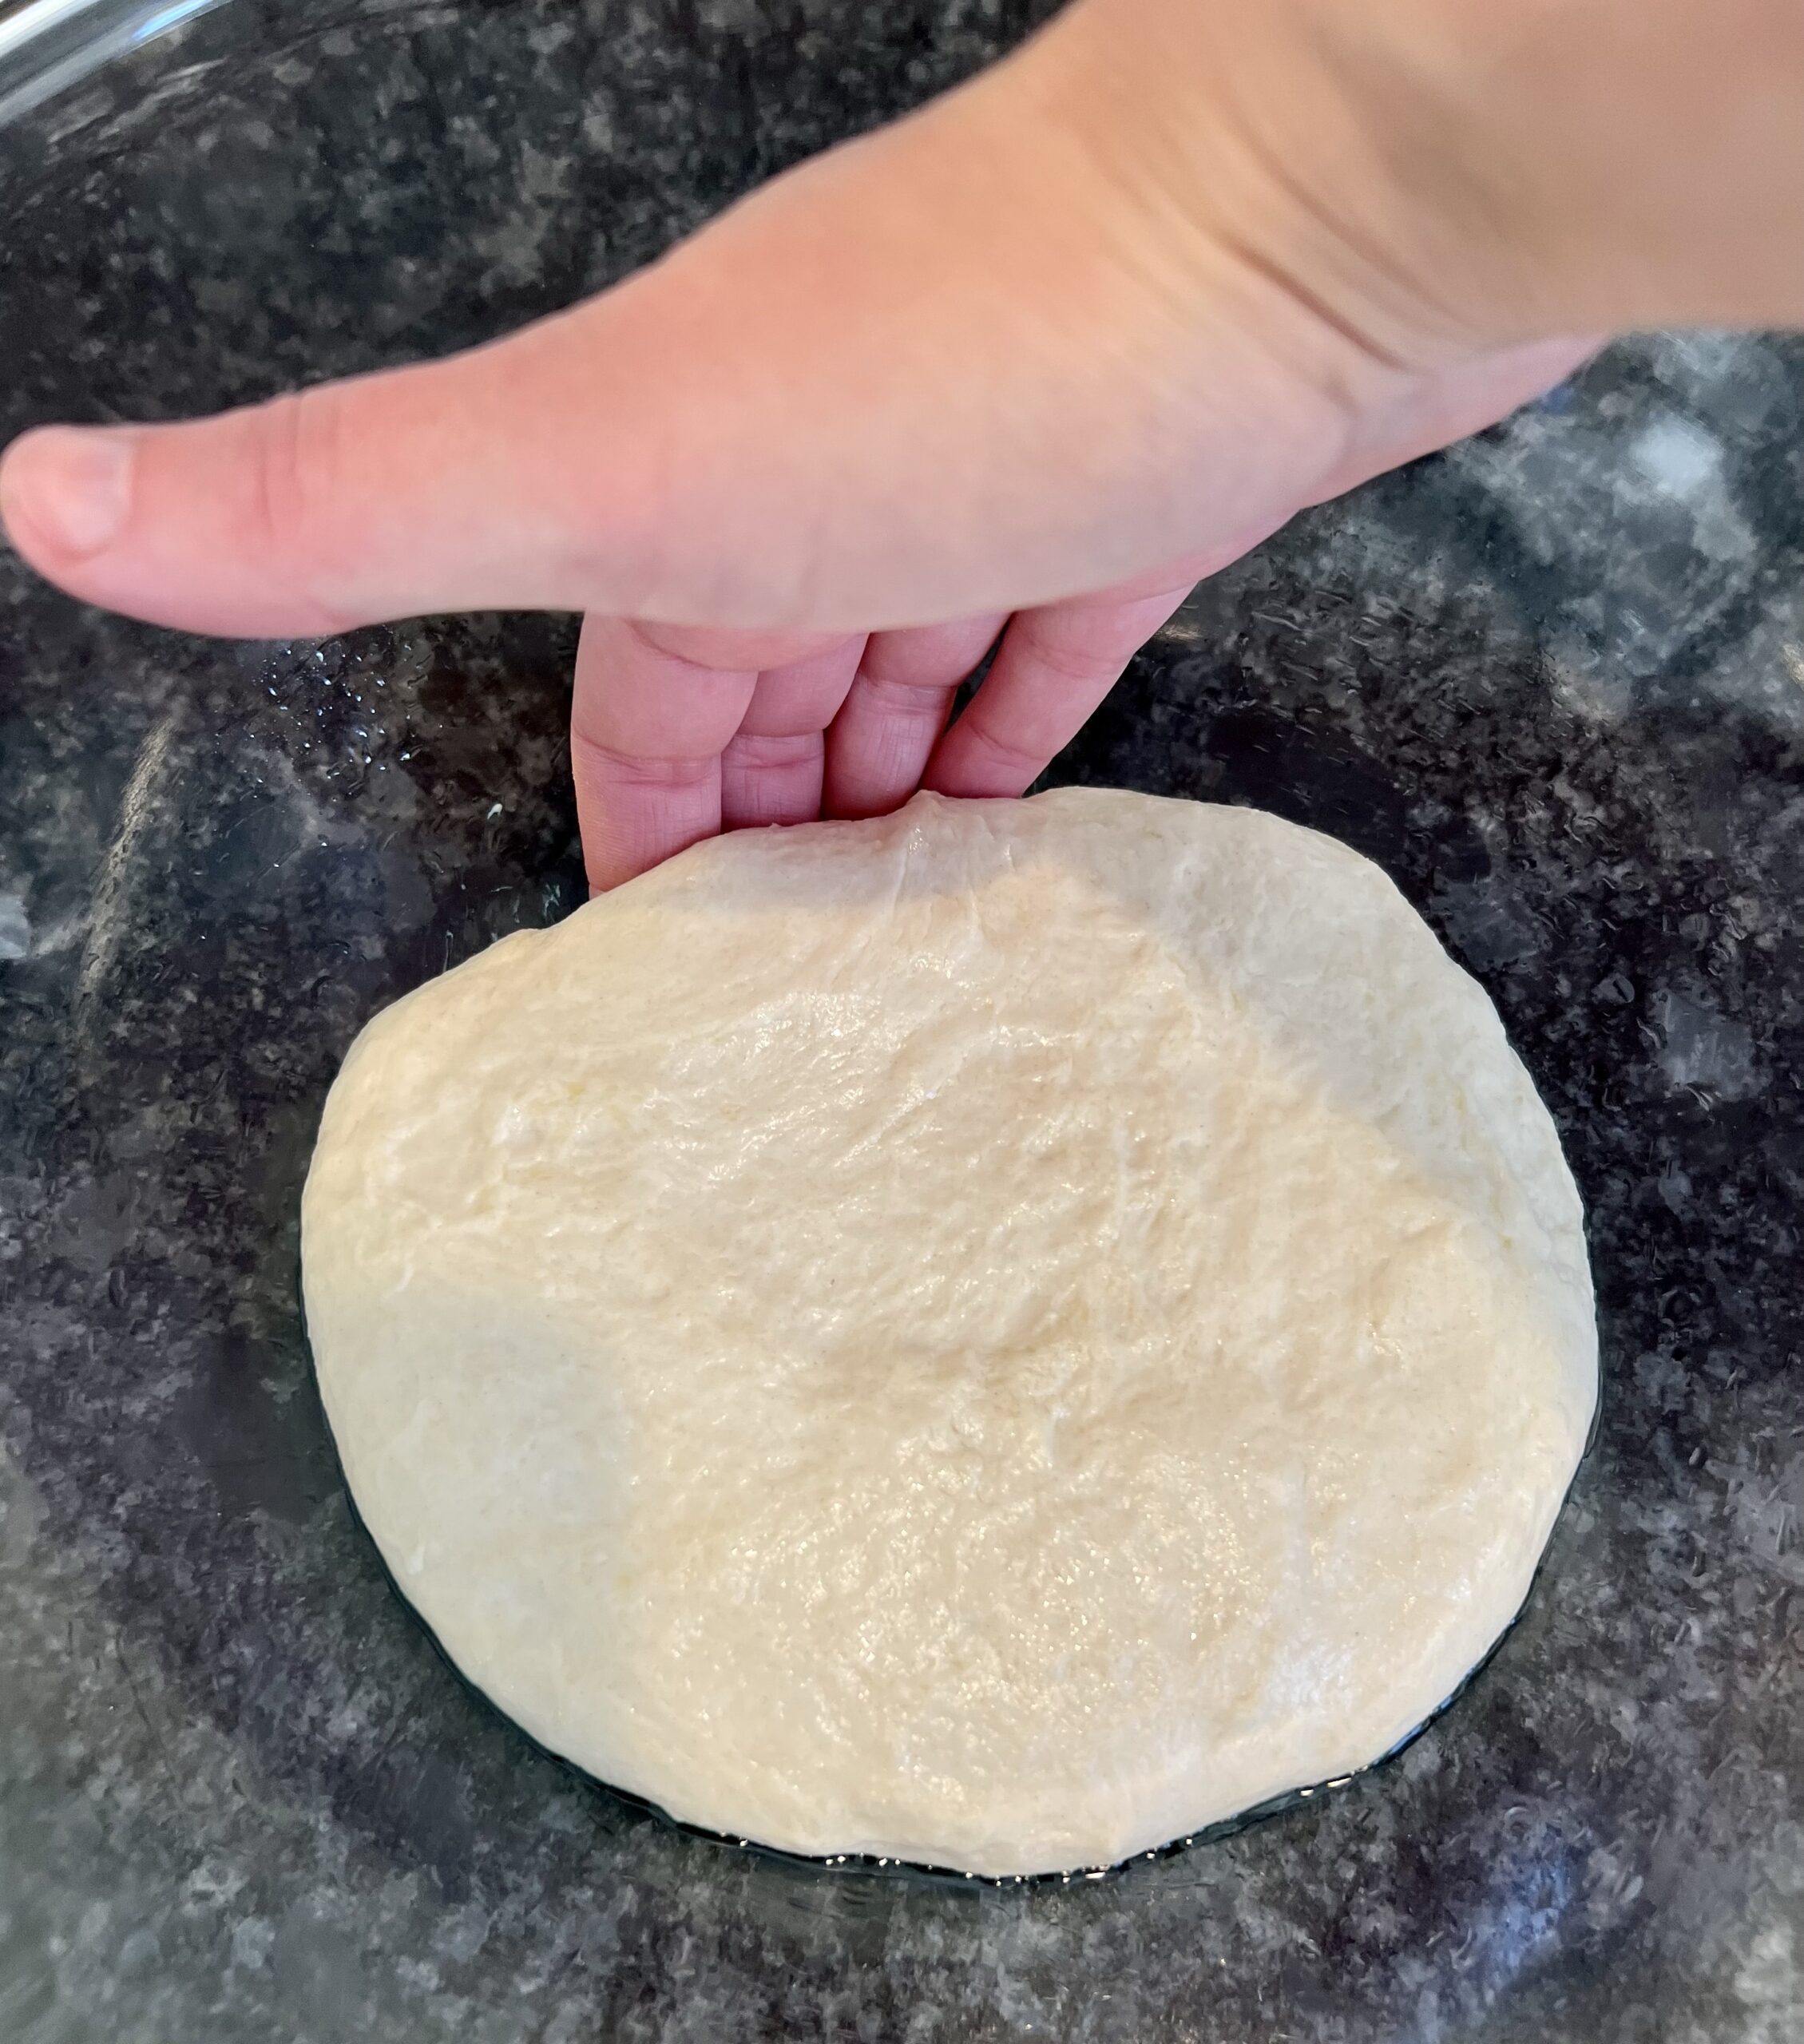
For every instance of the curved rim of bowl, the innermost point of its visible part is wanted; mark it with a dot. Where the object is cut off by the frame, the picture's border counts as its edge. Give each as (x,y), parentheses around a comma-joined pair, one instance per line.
(49,45)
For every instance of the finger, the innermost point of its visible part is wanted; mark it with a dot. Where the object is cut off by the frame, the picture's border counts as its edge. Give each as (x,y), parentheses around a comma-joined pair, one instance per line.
(770,771)
(735,435)
(882,739)
(1052,669)
(647,728)
(316,511)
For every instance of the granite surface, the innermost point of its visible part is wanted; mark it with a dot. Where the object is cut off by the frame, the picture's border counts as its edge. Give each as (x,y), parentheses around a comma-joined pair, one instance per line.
(1554,682)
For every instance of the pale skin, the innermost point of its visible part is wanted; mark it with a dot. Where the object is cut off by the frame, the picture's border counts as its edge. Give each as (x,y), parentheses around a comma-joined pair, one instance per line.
(1023,367)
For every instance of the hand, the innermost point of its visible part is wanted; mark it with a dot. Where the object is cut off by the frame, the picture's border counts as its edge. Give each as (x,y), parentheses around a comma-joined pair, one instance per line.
(1030,361)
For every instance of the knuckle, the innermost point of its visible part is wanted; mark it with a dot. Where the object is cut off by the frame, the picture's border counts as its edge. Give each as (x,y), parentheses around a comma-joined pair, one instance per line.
(1013,751)
(296,476)
(914,700)
(765,749)
(657,771)
(1086,651)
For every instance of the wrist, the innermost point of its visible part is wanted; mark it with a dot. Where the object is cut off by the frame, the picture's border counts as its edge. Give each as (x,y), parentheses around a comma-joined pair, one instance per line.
(1303,135)
(1449,174)
(1578,165)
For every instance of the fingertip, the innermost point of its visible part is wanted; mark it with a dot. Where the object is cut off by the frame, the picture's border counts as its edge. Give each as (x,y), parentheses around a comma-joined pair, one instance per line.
(635,814)
(66,493)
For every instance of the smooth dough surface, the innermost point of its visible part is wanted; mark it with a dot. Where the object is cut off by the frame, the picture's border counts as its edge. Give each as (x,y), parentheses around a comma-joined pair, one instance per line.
(998,1336)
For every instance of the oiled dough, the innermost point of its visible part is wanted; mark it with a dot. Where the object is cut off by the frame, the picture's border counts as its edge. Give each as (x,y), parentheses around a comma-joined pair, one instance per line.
(998,1336)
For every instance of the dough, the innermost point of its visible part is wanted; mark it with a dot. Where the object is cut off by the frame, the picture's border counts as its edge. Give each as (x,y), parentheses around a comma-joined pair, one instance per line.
(998,1336)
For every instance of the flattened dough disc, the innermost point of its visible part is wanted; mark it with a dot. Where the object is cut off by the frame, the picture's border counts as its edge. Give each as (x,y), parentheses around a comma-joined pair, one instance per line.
(998,1336)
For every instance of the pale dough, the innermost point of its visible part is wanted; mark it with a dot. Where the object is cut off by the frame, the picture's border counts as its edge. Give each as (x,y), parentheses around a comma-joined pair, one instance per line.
(996,1336)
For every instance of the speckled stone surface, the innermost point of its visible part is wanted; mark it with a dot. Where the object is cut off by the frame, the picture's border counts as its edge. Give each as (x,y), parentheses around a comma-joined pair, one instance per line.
(1554,682)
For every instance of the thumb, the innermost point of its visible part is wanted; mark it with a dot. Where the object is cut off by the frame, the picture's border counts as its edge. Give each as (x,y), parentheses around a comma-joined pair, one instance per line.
(459,485)
(673,449)
(949,369)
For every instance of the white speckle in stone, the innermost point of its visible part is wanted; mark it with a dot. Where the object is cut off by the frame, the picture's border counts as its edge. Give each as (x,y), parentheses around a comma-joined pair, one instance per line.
(212,1882)
(567,2025)
(251,1940)
(1766,1985)
(15,928)
(21,1513)
(462,1933)
(1702,1048)
(1678,459)
(1682,464)
(110,909)
(139,1953)
(1599,692)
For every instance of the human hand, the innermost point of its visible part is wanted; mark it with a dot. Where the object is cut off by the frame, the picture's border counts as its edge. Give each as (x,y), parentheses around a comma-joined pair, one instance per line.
(1032,361)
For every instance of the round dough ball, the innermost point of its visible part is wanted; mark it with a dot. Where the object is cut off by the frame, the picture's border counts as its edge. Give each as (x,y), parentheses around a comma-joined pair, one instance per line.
(998,1336)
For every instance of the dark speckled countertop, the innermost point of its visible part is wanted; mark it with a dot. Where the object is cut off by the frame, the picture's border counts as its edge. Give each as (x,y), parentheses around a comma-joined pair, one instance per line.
(1554,682)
